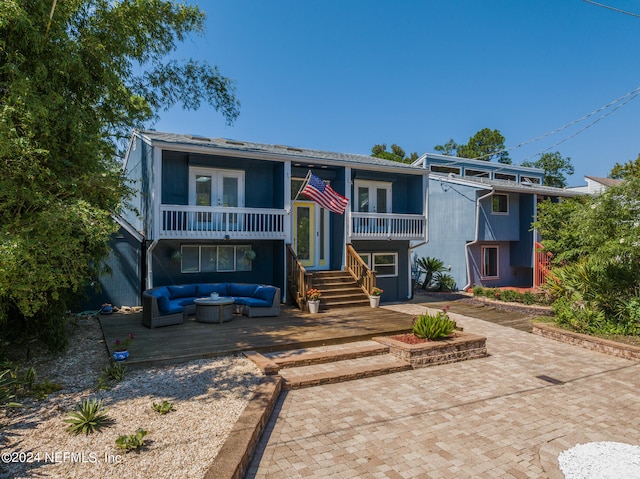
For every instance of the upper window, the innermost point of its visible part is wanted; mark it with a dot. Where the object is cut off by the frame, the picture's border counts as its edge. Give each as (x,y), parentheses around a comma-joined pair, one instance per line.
(530,179)
(504,176)
(476,173)
(500,204)
(444,169)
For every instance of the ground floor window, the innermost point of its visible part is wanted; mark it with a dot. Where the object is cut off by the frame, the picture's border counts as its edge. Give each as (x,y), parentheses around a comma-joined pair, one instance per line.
(384,264)
(220,259)
(489,261)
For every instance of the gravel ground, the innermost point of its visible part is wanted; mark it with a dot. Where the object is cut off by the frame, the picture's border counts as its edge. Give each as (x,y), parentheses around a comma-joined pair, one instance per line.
(208,396)
(601,460)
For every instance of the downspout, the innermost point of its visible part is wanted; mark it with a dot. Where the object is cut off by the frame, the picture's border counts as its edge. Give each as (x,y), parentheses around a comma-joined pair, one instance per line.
(475,241)
(150,264)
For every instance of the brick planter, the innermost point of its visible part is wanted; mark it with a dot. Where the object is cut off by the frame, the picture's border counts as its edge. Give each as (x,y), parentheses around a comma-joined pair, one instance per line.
(464,346)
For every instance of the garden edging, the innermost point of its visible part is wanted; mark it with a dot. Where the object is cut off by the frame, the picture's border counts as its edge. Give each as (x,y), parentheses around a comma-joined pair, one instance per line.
(601,345)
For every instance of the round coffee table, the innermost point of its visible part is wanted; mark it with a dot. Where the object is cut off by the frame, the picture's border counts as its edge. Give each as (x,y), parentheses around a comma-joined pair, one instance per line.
(214,310)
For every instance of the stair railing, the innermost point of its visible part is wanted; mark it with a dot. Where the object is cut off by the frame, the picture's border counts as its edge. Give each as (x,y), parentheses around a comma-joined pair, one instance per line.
(298,279)
(365,277)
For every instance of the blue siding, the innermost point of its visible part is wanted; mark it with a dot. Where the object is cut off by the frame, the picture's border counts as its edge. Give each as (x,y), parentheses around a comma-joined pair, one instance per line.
(267,268)
(500,227)
(395,288)
(137,174)
(522,251)
(452,211)
(404,189)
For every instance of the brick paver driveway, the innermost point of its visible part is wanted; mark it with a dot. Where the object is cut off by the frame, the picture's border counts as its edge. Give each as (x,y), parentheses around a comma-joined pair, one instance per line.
(491,417)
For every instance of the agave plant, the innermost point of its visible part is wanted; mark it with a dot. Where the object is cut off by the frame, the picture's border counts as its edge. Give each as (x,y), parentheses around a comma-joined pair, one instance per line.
(88,417)
(429,326)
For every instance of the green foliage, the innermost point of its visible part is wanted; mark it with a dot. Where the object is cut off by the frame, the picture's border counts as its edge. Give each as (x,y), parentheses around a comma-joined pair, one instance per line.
(486,145)
(115,371)
(629,169)
(444,282)
(429,267)
(164,407)
(9,384)
(70,93)
(131,442)
(433,327)
(450,148)
(526,297)
(396,153)
(43,389)
(554,166)
(88,417)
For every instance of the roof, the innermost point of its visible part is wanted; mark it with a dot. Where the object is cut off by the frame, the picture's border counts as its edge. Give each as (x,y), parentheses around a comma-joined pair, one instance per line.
(605,181)
(504,185)
(276,152)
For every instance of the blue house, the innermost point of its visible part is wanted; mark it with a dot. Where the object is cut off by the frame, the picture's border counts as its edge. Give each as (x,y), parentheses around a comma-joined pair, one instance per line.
(219,210)
(480,216)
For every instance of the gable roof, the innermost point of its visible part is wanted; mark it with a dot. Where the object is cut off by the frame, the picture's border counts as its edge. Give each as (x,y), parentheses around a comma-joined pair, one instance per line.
(605,181)
(274,152)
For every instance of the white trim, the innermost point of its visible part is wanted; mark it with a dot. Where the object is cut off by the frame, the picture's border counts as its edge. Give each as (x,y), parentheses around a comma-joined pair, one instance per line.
(217,177)
(371,262)
(500,213)
(373,187)
(217,252)
(482,264)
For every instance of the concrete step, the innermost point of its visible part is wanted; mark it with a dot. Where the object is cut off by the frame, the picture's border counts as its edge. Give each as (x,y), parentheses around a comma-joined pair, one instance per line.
(326,354)
(341,371)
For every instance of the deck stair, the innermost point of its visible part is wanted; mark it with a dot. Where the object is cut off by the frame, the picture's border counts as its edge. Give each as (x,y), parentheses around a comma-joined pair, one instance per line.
(330,364)
(339,290)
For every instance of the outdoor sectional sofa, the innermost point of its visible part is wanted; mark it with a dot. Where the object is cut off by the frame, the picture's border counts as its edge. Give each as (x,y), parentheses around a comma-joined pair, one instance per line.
(168,305)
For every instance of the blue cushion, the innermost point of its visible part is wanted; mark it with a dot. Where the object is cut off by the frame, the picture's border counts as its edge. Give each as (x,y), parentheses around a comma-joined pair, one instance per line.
(174,307)
(260,303)
(208,288)
(162,296)
(246,290)
(184,301)
(183,291)
(266,293)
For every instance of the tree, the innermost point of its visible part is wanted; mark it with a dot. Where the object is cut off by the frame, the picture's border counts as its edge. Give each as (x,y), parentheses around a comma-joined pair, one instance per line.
(554,166)
(72,86)
(396,153)
(484,145)
(627,170)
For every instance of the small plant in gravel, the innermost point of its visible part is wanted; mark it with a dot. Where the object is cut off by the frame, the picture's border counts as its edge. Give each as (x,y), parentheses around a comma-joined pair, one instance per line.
(89,416)
(433,327)
(43,389)
(131,442)
(114,372)
(164,407)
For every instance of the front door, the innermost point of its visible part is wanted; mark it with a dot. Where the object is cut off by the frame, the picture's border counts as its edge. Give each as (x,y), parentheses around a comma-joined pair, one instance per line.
(311,234)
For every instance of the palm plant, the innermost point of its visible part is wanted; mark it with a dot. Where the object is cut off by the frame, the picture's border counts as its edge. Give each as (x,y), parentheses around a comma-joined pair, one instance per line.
(430,267)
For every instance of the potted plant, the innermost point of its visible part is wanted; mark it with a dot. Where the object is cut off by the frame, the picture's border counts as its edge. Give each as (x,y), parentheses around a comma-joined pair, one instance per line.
(106,308)
(121,347)
(374,299)
(313,300)
(249,255)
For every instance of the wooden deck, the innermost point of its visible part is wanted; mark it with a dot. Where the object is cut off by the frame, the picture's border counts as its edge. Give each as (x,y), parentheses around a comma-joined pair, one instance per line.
(292,329)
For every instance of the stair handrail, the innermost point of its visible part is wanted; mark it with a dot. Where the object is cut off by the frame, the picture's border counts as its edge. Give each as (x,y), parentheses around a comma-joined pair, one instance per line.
(363,275)
(298,279)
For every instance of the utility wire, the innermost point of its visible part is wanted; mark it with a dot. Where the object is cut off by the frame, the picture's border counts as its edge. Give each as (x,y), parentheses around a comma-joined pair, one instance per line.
(612,8)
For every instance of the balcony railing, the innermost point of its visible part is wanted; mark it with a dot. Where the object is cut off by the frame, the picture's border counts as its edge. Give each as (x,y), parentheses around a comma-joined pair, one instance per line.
(388,226)
(181,221)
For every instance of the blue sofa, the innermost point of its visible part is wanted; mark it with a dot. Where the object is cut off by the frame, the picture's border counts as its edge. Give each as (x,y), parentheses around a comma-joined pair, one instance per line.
(169,305)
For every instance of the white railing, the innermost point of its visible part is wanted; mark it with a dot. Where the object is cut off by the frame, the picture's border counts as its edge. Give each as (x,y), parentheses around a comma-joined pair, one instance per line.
(388,226)
(181,221)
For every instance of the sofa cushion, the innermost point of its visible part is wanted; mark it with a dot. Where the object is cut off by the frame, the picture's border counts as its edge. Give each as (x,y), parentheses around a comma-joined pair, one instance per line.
(183,291)
(265,293)
(162,297)
(184,301)
(243,290)
(252,302)
(174,307)
(207,288)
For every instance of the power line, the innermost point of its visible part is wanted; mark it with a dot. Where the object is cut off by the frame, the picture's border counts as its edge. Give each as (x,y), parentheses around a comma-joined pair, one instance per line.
(612,8)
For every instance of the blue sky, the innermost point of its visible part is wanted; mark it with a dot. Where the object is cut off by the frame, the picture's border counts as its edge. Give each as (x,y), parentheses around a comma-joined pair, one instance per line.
(343,75)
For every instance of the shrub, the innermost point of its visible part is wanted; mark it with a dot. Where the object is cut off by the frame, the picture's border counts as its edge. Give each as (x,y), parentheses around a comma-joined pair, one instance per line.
(445,282)
(164,407)
(478,291)
(131,442)
(8,386)
(438,326)
(89,417)
(43,389)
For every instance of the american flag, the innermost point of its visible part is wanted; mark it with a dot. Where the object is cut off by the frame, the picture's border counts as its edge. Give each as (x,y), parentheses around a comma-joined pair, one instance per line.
(323,194)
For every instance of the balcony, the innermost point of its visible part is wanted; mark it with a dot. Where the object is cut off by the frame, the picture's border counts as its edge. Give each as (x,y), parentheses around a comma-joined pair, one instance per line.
(200,222)
(376,226)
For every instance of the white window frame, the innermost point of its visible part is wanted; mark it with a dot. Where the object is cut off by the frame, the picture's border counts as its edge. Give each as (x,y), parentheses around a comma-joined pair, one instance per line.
(493,211)
(504,177)
(366,257)
(373,186)
(482,272)
(473,173)
(216,269)
(217,177)
(444,169)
